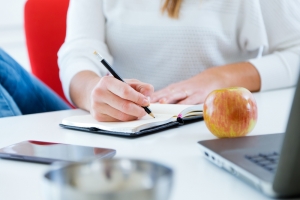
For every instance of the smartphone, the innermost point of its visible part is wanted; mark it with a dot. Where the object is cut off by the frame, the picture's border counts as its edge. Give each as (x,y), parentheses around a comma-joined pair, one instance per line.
(46,152)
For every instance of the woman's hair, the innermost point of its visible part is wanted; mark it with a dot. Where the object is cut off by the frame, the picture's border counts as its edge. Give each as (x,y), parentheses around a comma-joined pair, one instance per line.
(172,7)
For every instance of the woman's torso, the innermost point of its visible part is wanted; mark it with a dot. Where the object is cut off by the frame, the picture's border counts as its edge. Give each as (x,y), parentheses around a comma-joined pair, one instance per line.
(154,48)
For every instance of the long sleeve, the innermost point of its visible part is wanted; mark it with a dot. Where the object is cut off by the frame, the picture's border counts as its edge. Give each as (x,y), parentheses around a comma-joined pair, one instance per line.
(212,33)
(85,34)
(279,67)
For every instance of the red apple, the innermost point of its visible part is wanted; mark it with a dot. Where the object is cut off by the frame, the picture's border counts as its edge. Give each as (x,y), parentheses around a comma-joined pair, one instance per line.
(230,112)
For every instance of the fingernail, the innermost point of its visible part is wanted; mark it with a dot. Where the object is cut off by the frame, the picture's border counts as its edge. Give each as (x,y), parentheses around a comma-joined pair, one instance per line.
(145,101)
(163,100)
(149,98)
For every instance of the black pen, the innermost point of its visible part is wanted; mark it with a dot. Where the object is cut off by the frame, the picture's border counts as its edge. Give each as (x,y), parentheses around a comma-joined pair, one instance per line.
(108,67)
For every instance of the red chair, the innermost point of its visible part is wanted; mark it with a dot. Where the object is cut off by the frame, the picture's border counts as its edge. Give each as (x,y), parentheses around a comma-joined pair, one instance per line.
(45,30)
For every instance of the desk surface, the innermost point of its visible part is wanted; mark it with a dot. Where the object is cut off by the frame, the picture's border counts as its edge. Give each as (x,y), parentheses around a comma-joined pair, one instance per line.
(195,177)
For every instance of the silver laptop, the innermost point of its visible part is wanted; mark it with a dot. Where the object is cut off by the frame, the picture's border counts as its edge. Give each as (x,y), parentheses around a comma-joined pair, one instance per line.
(270,163)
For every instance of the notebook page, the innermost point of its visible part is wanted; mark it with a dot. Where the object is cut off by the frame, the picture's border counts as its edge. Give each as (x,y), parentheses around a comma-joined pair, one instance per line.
(174,109)
(88,121)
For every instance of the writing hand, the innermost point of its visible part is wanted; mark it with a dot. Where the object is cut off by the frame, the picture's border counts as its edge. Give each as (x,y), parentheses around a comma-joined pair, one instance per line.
(114,100)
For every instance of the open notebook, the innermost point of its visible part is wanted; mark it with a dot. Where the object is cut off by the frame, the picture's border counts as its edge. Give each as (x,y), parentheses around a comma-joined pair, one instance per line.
(166,115)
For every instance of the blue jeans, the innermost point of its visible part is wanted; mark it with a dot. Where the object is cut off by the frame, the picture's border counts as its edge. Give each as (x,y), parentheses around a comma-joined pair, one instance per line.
(21,93)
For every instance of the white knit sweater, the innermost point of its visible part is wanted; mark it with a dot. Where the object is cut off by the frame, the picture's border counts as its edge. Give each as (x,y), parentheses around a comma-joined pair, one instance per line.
(142,43)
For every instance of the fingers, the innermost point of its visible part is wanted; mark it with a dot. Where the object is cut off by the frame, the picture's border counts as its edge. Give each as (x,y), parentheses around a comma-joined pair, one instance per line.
(174,97)
(191,100)
(124,106)
(114,100)
(105,113)
(120,89)
(169,95)
(144,88)
(196,98)
(124,91)
(160,95)
(180,97)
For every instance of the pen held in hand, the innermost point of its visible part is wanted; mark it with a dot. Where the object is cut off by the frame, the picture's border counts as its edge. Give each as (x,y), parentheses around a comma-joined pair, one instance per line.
(108,67)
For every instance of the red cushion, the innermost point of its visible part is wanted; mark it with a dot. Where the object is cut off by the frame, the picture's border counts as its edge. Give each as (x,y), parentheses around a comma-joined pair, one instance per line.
(45,30)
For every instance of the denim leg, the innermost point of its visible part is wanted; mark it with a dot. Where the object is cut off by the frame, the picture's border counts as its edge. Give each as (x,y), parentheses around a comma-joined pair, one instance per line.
(8,106)
(29,93)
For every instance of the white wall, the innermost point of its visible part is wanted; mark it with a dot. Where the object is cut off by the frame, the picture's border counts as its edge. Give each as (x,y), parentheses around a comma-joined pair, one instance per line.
(12,38)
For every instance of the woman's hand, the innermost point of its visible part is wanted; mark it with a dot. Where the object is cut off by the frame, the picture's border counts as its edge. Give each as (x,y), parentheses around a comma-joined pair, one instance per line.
(109,99)
(114,100)
(195,89)
(191,91)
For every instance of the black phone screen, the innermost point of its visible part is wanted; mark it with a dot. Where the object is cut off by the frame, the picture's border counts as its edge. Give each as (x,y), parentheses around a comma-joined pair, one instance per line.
(46,152)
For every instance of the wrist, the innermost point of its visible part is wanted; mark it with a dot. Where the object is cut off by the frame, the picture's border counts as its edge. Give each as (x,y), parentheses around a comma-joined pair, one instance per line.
(91,84)
(81,88)
(242,74)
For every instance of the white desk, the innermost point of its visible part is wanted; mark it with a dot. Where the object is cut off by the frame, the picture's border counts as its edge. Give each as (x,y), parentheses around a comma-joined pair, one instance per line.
(195,177)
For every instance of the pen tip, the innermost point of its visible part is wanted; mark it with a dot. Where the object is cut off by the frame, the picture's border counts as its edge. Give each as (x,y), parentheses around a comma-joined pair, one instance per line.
(151,115)
(95,52)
